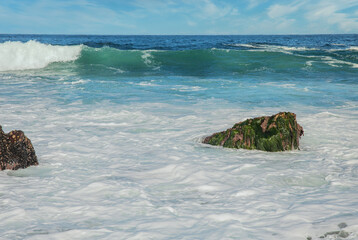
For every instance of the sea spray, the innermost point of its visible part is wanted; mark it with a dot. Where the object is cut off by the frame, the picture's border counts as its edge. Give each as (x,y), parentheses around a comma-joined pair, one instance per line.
(34,55)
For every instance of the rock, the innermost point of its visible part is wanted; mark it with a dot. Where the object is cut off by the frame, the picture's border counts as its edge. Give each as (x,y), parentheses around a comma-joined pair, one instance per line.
(343,234)
(331,233)
(279,132)
(342,225)
(340,234)
(16,151)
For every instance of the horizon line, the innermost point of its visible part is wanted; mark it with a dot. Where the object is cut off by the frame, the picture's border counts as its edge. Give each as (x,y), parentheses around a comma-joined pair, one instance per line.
(90,34)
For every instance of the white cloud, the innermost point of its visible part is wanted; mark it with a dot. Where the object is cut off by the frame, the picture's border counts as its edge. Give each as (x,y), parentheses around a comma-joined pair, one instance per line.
(187,16)
(191,23)
(254,3)
(210,8)
(49,16)
(285,25)
(277,10)
(207,9)
(155,6)
(330,12)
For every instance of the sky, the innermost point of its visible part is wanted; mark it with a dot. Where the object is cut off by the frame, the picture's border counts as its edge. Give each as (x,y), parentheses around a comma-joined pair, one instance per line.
(178,16)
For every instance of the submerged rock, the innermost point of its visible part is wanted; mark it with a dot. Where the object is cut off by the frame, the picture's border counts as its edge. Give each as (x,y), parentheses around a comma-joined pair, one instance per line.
(16,151)
(340,234)
(335,234)
(279,132)
(342,225)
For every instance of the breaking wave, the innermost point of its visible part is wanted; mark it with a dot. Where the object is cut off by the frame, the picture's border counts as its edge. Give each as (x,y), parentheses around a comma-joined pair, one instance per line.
(34,55)
(84,59)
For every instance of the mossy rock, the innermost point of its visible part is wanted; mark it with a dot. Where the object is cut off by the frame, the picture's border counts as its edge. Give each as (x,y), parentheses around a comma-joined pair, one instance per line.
(279,132)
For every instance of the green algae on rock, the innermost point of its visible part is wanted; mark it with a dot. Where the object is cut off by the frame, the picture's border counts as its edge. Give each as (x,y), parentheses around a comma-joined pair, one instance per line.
(16,151)
(279,132)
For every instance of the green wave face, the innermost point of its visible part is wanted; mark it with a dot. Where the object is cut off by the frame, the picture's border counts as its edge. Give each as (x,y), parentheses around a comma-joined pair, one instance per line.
(108,60)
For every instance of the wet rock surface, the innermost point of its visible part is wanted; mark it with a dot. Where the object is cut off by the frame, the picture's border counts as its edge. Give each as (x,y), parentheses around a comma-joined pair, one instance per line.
(340,234)
(16,151)
(279,132)
(336,234)
(342,225)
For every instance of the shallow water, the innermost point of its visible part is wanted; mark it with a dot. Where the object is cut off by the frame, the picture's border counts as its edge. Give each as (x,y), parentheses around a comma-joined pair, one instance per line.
(118,140)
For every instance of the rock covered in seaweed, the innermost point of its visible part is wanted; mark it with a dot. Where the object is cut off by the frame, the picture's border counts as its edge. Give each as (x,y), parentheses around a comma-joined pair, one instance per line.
(16,151)
(279,132)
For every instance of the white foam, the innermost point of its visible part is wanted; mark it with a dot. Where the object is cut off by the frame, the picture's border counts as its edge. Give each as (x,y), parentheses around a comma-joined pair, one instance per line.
(81,81)
(243,45)
(224,217)
(183,88)
(118,70)
(309,63)
(34,55)
(245,193)
(335,62)
(280,85)
(147,58)
(337,44)
(138,164)
(147,83)
(353,48)
(273,48)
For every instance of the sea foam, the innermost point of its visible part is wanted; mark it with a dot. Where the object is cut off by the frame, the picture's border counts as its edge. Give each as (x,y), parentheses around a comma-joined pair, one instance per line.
(120,152)
(272,48)
(34,55)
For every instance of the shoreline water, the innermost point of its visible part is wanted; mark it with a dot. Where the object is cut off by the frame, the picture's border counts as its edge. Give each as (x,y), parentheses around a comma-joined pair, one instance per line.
(116,133)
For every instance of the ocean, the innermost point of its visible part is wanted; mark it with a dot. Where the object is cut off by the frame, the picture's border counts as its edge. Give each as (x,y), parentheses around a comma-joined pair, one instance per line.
(117,124)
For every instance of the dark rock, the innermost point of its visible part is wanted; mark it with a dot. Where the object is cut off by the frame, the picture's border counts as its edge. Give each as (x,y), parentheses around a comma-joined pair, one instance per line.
(340,234)
(342,225)
(343,234)
(16,151)
(331,233)
(279,132)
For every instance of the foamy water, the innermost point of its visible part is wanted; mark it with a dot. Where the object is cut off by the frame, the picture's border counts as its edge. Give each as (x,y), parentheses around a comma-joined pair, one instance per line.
(34,55)
(121,156)
(139,171)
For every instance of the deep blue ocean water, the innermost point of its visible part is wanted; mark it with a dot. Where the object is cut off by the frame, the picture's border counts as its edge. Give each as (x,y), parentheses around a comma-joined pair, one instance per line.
(117,121)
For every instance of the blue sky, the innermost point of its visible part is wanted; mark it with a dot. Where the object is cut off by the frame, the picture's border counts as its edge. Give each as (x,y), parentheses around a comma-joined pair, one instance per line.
(178,16)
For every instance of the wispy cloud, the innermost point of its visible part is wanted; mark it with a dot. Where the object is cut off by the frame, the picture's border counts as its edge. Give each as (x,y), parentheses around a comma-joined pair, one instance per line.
(331,13)
(207,9)
(80,16)
(179,16)
(154,6)
(213,11)
(280,10)
(255,3)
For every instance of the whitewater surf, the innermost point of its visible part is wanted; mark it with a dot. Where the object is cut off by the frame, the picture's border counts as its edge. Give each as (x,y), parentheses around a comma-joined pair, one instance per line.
(117,123)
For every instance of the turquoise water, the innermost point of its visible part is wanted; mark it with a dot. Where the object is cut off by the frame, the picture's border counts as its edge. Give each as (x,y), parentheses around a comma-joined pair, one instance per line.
(117,121)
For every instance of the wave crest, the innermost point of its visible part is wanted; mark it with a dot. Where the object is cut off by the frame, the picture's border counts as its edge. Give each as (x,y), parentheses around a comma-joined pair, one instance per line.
(271,47)
(34,55)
